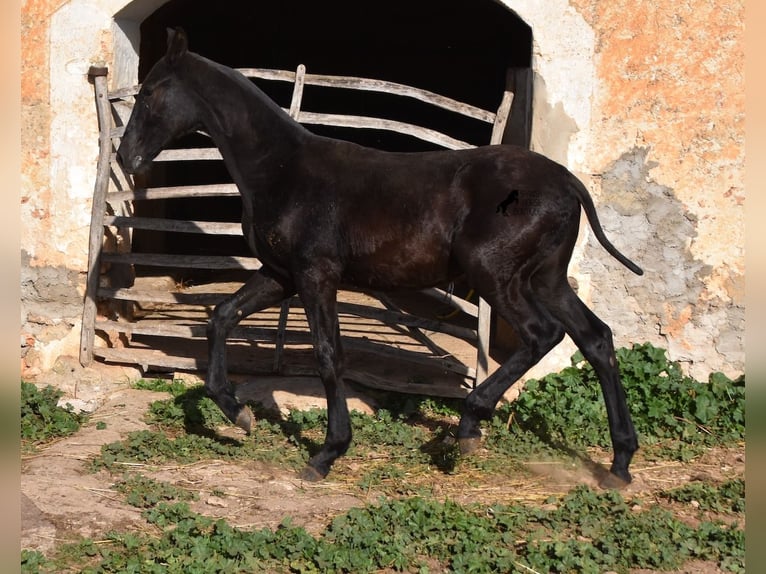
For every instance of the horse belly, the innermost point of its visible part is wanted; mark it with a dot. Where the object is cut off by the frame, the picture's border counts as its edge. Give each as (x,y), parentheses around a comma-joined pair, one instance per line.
(411,263)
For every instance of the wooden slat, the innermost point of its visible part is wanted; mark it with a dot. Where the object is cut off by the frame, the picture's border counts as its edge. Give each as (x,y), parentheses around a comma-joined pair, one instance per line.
(162,297)
(149,358)
(482,350)
(183,261)
(175,225)
(190,154)
(98,209)
(452,300)
(498,129)
(194,330)
(176,192)
(297,99)
(380,86)
(366,122)
(269,335)
(394,317)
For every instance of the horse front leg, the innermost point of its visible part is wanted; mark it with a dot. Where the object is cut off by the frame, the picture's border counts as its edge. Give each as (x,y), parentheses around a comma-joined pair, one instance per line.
(318,292)
(259,292)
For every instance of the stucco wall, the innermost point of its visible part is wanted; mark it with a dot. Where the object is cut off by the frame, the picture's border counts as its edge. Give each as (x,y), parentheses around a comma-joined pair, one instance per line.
(667,151)
(644,100)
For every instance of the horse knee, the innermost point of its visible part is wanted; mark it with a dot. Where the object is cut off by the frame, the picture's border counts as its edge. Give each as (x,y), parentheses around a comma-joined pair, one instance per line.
(223,319)
(329,362)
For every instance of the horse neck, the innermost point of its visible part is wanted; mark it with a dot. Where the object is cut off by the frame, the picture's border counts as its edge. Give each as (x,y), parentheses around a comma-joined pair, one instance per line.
(242,121)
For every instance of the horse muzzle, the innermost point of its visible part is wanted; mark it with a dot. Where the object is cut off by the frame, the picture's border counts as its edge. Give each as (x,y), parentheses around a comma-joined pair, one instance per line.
(131,164)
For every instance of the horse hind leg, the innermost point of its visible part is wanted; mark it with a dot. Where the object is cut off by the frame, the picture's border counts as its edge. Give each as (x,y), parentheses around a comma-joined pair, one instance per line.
(538,333)
(259,292)
(594,339)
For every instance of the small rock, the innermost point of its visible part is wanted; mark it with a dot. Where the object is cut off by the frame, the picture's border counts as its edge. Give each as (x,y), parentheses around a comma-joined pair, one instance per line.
(217,501)
(78,405)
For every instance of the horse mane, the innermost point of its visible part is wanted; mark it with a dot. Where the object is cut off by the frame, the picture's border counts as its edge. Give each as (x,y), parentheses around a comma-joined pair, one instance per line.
(205,73)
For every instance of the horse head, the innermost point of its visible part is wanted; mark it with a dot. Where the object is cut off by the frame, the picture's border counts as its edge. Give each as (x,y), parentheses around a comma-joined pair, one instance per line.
(164,109)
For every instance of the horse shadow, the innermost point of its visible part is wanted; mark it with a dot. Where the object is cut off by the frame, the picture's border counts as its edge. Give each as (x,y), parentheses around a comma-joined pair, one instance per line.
(201,415)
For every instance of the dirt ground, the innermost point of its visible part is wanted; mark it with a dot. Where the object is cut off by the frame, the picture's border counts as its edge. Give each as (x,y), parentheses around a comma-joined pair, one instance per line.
(61,499)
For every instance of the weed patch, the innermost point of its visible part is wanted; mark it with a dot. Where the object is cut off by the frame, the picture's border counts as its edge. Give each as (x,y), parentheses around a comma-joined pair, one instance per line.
(673,412)
(412,528)
(581,531)
(42,419)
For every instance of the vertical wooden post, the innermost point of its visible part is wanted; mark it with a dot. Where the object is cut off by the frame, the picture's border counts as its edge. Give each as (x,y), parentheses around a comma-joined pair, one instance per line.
(98,210)
(284,310)
(518,130)
(501,118)
(485,312)
(297,99)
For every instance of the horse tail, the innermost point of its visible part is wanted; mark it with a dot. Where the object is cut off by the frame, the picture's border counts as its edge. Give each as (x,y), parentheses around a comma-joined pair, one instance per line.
(590,212)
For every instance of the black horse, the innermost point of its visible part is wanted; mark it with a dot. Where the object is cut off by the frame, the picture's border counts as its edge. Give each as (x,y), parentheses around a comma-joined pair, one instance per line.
(322,213)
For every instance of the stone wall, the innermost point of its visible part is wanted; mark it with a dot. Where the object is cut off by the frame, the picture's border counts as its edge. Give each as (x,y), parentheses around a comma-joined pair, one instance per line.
(644,100)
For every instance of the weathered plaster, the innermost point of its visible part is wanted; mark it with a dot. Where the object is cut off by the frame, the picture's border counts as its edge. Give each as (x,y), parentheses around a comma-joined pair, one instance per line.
(668,114)
(562,60)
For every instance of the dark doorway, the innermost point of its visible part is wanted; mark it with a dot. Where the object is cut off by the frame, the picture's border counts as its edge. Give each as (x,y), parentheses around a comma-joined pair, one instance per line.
(468,50)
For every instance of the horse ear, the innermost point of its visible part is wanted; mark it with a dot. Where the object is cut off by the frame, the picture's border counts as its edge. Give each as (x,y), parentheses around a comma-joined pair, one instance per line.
(178,44)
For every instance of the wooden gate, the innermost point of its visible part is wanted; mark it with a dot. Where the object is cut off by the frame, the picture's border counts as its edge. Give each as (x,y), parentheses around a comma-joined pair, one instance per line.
(128,320)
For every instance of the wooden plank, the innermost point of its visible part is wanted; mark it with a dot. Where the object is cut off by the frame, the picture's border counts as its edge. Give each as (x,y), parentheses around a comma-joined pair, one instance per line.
(176,192)
(498,129)
(167,297)
(361,122)
(150,358)
(409,387)
(452,300)
(353,83)
(123,93)
(190,154)
(482,350)
(197,329)
(297,99)
(383,86)
(174,225)
(284,312)
(395,317)
(518,130)
(416,333)
(193,331)
(98,209)
(183,261)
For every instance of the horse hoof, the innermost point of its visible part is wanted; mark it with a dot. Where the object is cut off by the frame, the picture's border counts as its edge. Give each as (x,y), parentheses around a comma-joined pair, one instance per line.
(310,474)
(613,482)
(468,445)
(245,419)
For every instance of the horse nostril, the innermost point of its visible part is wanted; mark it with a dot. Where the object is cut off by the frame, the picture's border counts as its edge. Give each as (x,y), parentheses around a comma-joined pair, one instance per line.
(128,164)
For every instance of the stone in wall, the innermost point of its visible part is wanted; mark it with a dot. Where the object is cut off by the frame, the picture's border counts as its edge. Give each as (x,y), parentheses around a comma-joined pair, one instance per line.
(51,308)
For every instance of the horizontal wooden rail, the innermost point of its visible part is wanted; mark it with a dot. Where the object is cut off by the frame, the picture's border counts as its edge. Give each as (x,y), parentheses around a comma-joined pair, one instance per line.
(218,262)
(178,192)
(349,83)
(174,225)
